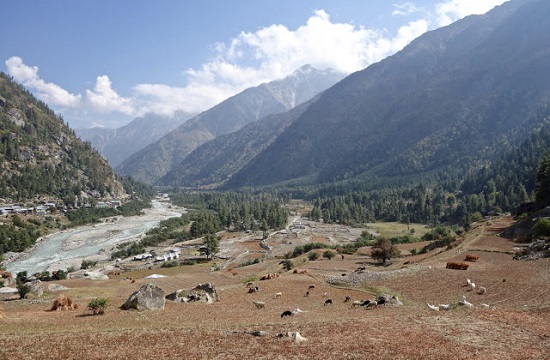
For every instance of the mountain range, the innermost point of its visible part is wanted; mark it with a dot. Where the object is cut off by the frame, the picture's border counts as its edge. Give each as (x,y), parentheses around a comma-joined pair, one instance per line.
(118,144)
(160,157)
(455,97)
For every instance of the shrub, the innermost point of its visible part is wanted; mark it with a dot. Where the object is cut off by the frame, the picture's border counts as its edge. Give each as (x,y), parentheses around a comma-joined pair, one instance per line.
(98,305)
(328,254)
(287,264)
(312,256)
(170,264)
(250,279)
(23,289)
(249,262)
(86,264)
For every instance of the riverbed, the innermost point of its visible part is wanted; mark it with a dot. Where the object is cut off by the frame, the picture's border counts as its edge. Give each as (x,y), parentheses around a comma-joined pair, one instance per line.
(59,251)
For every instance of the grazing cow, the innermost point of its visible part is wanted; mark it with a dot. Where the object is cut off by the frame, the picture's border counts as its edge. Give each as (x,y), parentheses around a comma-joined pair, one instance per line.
(328,302)
(286,313)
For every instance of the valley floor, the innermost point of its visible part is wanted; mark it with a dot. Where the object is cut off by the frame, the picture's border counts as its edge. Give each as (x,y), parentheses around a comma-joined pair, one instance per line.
(515,327)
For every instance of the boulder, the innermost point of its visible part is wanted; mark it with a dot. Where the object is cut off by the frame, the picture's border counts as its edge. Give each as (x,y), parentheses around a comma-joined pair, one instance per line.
(202,292)
(95,275)
(35,290)
(147,297)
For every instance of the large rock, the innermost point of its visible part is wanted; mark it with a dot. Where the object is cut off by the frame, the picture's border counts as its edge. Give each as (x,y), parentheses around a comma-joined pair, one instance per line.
(35,290)
(203,292)
(147,297)
(95,275)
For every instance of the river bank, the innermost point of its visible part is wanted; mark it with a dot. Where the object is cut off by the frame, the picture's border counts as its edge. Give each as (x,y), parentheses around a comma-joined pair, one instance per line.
(67,248)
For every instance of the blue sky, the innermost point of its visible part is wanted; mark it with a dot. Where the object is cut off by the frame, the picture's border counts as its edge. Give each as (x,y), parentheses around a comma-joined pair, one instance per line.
(105,62)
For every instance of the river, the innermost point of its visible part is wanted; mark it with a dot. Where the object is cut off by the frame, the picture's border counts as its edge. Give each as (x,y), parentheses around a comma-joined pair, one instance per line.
(69,247)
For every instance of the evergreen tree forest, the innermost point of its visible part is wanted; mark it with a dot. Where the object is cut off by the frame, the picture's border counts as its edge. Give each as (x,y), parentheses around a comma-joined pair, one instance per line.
(42,156)
(233,211)
(490,189)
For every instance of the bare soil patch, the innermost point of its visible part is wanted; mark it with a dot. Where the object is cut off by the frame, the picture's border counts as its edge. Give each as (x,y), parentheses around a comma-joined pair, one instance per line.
(515,327)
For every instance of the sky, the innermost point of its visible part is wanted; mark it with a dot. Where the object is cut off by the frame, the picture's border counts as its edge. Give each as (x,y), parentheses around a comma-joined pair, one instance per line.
(104,63)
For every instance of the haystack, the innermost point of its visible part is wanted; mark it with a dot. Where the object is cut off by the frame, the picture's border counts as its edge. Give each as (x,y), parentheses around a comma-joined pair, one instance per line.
(63,302)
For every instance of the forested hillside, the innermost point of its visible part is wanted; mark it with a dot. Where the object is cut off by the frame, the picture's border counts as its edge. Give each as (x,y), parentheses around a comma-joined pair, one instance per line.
(42,157)
(216,161)
(452,100)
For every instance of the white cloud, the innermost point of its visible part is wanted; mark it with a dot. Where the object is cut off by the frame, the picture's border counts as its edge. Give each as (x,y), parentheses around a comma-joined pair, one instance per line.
(404,9)
(273,52)
(50,93)
(452,10)
(105,100)
(247,60)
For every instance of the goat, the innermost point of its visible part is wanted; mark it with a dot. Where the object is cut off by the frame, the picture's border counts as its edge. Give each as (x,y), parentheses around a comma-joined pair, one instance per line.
(249,284)
(485,306)
(366,303)
(311,287)
(357,303)
(481,290)
(444,306)
(278,295)
(286,313)
(347,299)
(381,301)
(471,286)
(259,304)
(253,289)
(433,307)
(395,300)
(464,302)
(370,304)
(328,302)
(298,311)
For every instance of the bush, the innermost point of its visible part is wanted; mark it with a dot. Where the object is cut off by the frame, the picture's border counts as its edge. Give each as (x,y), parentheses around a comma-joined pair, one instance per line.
(250,279)
(287,264)
(98,305)
(23,290)
(86,264)
(170,264)
(249,262)
(312,256)
(328,254)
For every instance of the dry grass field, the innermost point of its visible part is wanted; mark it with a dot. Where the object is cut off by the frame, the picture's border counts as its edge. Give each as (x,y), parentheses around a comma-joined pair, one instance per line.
(517,326)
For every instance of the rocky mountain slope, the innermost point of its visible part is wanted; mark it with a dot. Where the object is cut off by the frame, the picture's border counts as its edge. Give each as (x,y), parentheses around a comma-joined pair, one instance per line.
(41,157)
(157,159)
(454,97)
(215,161)
(118,144)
